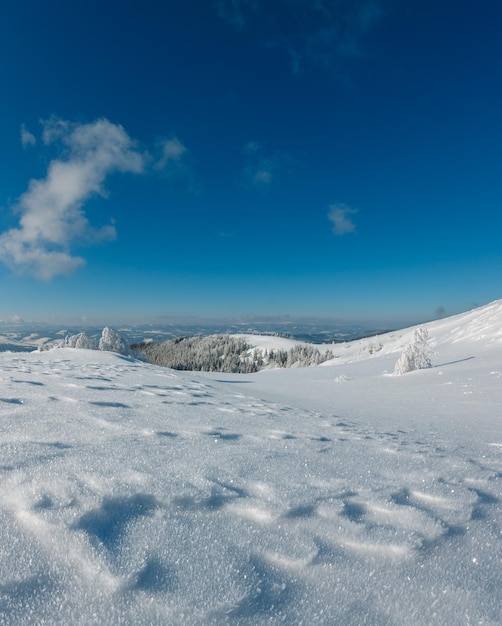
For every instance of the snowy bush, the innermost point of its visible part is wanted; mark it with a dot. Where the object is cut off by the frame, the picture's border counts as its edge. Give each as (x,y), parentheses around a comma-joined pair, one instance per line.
(81,340)
(375,347)
(417,355)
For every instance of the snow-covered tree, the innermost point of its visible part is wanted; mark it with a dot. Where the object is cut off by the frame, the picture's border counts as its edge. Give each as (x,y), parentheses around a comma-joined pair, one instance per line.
(81,341)
(417,355)
(111,341)
(224,353)
(215,353)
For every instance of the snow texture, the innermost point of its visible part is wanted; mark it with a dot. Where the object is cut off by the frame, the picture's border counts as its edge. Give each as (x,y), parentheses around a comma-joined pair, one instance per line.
(338,494)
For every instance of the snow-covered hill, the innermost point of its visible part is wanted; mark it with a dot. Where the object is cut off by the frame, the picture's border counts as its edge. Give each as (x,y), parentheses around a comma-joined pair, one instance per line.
(482,325)
(340,494)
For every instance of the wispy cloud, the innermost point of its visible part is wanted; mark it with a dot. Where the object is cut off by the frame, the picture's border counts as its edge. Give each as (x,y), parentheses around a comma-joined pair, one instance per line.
(174,161)
(27,138)
(339,215)
(311,32)
(237,11)
(262,169)
(172,152)
(52,219)
(252,147)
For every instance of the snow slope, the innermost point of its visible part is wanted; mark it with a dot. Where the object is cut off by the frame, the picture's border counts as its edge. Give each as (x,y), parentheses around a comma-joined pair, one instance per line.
(132,494)
(481,326)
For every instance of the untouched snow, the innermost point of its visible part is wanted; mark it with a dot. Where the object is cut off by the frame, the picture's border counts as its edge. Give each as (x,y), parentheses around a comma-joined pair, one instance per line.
(132,494)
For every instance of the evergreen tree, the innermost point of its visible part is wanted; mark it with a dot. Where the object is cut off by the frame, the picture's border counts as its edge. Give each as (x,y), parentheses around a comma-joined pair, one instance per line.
(417,355)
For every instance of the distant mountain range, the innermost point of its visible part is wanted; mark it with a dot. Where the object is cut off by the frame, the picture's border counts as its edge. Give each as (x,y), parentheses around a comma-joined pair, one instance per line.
(24,337)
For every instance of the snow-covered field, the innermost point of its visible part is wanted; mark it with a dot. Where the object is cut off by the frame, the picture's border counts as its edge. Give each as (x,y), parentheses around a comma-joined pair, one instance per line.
(340,494)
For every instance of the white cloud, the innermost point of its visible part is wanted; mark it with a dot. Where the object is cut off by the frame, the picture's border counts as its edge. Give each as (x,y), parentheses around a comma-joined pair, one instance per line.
(172,152)
(339,216)
(52,217)
(27,138)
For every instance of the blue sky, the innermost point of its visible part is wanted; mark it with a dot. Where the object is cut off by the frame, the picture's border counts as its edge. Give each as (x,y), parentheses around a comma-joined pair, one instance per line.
(220,158)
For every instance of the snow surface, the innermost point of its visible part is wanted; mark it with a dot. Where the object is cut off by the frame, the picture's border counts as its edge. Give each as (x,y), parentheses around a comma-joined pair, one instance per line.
(340,494)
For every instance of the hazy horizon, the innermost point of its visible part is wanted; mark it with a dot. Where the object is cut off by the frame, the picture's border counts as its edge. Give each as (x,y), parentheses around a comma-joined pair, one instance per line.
(190,319)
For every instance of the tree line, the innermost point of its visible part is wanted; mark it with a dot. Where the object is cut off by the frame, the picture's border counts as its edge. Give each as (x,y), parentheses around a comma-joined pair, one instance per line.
(225,353)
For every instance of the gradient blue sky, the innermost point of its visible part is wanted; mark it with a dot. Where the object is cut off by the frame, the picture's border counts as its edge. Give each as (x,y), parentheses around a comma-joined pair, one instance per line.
(331,158)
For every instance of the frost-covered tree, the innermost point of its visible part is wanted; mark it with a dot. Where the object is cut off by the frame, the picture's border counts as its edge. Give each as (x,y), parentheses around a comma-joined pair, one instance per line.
(224,353)
(215,353)
(81,341)
(417,354)
(111,341)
